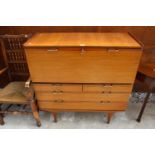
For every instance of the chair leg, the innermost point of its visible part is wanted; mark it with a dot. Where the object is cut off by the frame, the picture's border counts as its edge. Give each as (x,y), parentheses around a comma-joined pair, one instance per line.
(110,114)
(54,116)
(35,113)
(1,118)
(143,107)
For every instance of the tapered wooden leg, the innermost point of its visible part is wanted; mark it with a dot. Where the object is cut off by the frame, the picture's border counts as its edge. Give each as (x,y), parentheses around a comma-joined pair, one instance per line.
(54,116)
(35,113)
(109,116)
(143,107)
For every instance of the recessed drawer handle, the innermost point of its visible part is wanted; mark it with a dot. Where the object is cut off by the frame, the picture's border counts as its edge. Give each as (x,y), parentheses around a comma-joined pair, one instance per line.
(106,92)
(113,50)
(58,101)
(57,92)
(56,84)
(52,50)
(104,102)
(107,86)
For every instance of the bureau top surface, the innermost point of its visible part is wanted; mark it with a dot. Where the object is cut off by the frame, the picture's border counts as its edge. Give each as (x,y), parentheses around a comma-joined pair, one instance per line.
(82,39)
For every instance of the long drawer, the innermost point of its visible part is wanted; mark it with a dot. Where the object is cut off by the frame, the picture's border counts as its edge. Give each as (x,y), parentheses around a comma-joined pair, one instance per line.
(90,106)
(58,87)
(91,97)
(107,88)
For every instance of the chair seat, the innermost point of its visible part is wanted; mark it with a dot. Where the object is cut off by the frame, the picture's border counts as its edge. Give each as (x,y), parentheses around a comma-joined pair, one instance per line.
(16,93)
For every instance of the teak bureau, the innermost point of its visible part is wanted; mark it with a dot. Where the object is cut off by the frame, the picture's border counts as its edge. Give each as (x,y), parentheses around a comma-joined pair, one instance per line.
(82,71)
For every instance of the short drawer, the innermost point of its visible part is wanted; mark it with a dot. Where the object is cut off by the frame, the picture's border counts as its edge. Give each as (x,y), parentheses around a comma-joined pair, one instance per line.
(107,88)
(58,87)
(91,97)
(88,106)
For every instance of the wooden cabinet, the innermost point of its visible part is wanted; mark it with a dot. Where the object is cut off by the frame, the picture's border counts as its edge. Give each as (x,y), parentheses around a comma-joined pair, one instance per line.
(82,71)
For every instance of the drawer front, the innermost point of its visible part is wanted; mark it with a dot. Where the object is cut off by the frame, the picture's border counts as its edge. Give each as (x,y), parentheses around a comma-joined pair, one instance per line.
(57,87)
(113,88)
(91,97)
(95,106)
(82,65)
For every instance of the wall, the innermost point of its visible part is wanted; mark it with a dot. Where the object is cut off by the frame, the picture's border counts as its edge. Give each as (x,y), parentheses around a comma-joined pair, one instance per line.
(144,34)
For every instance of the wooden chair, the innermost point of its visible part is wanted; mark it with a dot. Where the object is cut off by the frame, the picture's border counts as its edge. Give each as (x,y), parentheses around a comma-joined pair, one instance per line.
(17,93)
